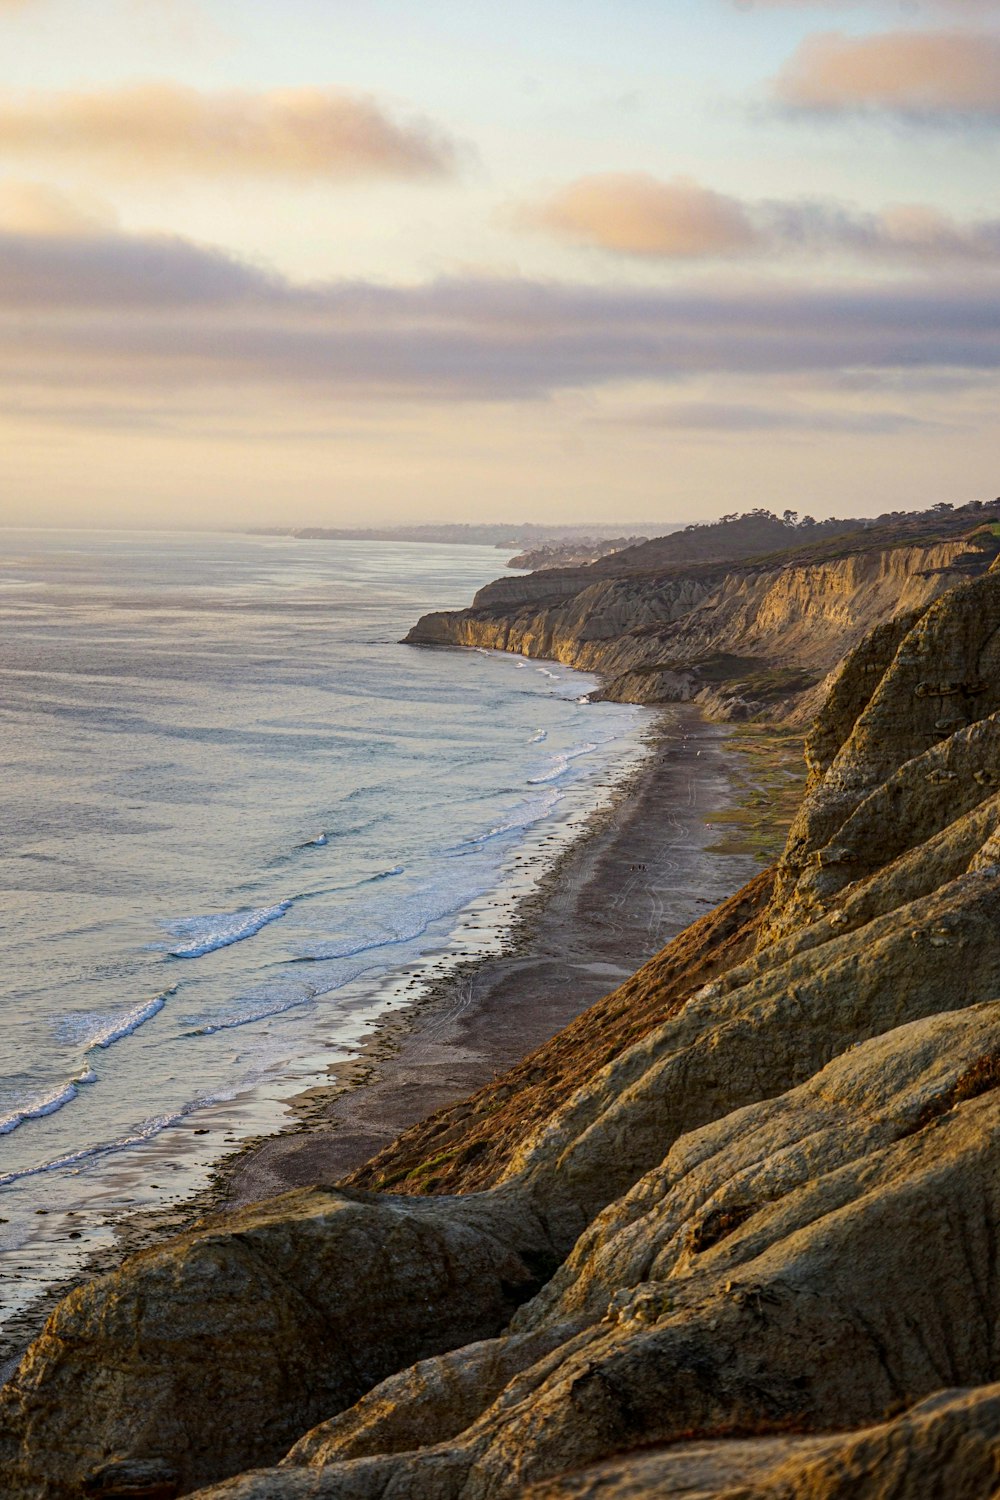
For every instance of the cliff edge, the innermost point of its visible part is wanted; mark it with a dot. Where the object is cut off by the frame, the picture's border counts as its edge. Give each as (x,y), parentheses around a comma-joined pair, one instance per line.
(725,619)
(735,1232)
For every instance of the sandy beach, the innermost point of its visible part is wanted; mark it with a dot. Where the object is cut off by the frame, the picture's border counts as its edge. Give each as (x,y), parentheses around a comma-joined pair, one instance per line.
(642,867)
(639,872)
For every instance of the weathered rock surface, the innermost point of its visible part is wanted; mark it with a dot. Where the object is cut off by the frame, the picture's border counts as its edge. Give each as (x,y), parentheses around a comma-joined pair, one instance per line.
(210,1352)
(920,751)
(944,1448)
(743,1253)
(751,1281)
(736,639)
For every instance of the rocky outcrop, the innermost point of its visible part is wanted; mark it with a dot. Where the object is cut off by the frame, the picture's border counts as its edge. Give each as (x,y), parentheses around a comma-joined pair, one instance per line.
(739,639)
(744,1250)
(214,1350)
(536,618)
(918,753)
(947,1446)
(806,1265)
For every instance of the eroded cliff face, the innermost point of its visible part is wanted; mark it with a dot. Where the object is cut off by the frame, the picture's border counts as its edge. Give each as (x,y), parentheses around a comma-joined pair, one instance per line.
(750,1248)
(739,640)
(574,627)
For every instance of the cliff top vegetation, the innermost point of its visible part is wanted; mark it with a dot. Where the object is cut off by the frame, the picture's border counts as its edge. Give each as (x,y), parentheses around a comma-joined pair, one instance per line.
(761,536)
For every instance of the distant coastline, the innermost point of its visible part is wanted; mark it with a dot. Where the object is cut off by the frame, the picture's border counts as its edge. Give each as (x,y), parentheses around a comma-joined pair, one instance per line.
(512,536)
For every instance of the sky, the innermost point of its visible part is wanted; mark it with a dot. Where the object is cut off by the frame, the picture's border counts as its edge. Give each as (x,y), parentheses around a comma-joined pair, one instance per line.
(355,262)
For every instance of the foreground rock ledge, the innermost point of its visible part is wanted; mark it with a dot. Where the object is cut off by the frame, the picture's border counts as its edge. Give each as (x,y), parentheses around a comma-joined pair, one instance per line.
(754,1252)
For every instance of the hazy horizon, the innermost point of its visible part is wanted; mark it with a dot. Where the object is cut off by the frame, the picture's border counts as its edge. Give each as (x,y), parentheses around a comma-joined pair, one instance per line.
(357,265)
(648,529)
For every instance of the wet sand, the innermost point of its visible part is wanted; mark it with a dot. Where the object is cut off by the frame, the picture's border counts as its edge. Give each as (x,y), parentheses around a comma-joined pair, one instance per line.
(638,874)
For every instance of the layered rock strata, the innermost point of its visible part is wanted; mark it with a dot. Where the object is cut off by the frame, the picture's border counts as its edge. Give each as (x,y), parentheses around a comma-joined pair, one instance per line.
(739,639)
(750,1250)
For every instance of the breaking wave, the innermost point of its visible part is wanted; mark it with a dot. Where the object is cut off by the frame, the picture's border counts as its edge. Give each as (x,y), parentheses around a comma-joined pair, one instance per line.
(560,765)
(44,1104)
(221,929)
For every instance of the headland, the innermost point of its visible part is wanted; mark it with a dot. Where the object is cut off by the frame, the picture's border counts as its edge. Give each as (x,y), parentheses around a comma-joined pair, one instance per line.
(731,1230)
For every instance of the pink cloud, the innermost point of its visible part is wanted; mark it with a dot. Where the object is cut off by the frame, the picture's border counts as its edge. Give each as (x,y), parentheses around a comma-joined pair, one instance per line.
(34,208)
(933,74)
(638,214)
(167,127)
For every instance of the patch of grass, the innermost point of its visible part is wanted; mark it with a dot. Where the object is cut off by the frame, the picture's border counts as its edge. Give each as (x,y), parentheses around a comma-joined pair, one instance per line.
(722,666)
(654,668)
(427,1168)
(426,1175)
(389,1179)
(776,682)
(768,773)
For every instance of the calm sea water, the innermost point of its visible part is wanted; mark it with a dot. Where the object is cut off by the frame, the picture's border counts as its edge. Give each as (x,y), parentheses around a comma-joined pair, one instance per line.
(230,797)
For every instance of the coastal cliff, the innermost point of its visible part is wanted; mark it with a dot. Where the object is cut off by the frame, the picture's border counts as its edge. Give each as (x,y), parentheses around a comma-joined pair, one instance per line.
(734,1232)
(742,637)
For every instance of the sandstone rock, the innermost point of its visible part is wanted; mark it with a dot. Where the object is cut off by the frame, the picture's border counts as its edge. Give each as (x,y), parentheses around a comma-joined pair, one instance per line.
(220,1348)
(737,1469)
(957,638)
(772,1209)
(947,1447)
(850,690)
(727,637)
(876,1175)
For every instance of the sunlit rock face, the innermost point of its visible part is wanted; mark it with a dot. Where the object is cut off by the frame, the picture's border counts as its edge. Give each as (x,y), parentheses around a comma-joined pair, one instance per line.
(753,1249)
(739,640)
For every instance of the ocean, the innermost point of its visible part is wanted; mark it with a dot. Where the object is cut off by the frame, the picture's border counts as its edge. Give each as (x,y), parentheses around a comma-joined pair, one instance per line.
(233,807)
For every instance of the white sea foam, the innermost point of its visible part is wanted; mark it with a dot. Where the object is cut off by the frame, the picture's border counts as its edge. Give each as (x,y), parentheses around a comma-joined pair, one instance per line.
(529,812)
(561,764)
(115,1028)
(350,947)
(221,929)
(254,1008)
(538,737)
(45,1104)
(251,1013)
(143,1133)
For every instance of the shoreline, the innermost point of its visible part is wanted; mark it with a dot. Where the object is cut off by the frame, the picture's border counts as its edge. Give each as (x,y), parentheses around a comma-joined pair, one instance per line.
(640,868)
